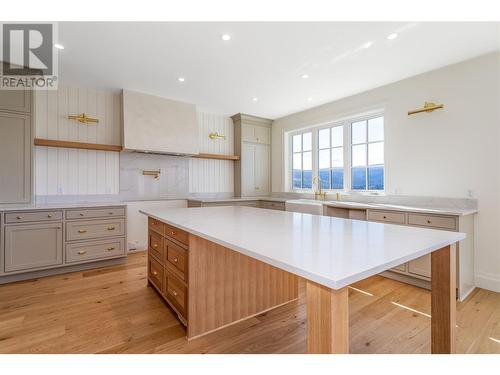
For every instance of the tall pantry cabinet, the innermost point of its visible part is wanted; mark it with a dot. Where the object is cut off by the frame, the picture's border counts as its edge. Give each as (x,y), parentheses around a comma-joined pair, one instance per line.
(252,143)
(15,146)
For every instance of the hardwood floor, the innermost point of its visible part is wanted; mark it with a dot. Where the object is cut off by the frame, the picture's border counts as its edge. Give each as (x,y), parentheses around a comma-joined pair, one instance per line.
(111,310)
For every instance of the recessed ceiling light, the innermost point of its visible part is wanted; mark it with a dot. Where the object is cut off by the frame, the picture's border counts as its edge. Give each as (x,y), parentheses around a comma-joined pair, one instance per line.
(181,79)
(309,99)
(304,76)
(58,46)
(225,37)
(367,44)
(392,36)
(255,99)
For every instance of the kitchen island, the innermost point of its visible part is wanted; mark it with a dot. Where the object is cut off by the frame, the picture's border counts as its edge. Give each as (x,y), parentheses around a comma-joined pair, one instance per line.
(219,265)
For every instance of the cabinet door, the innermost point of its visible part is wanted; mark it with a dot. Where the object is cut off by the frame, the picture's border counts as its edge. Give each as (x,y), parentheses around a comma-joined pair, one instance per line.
(262,169)
(248,133)
(247,169)
(33,246)
(262,135)
(421,266)
(15,157)
(18,101)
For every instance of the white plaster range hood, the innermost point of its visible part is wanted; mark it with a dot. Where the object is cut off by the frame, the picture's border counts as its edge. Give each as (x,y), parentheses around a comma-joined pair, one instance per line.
(158,125)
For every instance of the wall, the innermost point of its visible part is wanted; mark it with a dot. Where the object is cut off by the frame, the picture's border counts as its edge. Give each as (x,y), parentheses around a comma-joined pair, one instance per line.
(208,175)
(445,153)
(61,171)
(74,173)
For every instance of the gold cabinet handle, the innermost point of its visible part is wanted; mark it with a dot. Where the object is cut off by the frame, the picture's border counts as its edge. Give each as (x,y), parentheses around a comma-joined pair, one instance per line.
(111,228)
(49,216)
(82,252)
(155,245)
(173,292)
(82,231)
(175,260)
(111,248)
(384,217)
(428,222)
(172,233)
(82,214)
(19,217)
(155,273)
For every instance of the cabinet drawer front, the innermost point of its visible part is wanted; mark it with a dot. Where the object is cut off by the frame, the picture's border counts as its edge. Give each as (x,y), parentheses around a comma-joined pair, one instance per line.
(421,266)
(156,273)
(155,245)
(272,205)
(156,225)
(176,293)
(176,256)
(177,234)
(26,217)
(387,217)
(92,213)
(441,222)
(33,246)
(85,251)
(81,230)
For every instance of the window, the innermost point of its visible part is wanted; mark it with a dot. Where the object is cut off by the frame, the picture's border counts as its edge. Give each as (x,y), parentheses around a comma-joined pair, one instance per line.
(331,157)
(302,161)
(367,154)
(347,155)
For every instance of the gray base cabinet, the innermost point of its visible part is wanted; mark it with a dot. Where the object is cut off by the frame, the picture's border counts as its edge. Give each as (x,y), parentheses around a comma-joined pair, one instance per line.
(33,246)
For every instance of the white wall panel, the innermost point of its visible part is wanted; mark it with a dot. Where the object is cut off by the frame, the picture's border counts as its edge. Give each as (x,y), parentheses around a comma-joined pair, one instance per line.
(60,171)
(208,175)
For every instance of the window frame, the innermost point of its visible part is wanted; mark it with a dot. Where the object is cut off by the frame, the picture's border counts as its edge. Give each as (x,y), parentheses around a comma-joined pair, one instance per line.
(347,148)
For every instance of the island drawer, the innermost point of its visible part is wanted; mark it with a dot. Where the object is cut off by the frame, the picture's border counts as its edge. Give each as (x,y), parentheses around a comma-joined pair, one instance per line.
(30,216)
(79,252)
(433,221)
(176,293)
(176,257)
(156,245)
(156,225)
(94,213)
(177,234)
(386,216)
(272,205)
(81,230)
(156,273)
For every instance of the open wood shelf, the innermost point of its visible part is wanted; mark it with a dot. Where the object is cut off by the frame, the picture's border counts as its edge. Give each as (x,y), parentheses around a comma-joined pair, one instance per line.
(216,156)
(80,145)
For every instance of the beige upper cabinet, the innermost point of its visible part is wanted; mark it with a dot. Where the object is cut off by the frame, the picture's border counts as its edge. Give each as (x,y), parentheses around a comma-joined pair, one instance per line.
(252,142)
(16,101)
(15,157)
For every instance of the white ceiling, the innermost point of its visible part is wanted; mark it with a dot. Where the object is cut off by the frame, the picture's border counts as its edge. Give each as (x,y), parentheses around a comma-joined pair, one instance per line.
(263,60)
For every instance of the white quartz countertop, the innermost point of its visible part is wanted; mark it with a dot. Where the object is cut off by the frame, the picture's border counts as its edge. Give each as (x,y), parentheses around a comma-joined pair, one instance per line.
(245,199)
(331,251)
(59,206)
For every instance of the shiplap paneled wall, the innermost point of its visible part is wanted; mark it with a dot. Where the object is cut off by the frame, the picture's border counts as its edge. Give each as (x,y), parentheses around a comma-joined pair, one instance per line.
(61,171)
(208,175)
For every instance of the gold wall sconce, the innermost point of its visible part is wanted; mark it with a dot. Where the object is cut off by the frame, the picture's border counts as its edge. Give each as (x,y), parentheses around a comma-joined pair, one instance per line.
(84,119)
(216,135)
(155,173)
(428,107)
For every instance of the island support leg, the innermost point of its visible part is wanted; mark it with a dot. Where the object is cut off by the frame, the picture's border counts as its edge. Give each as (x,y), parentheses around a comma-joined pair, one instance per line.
(443,300)
(327,319)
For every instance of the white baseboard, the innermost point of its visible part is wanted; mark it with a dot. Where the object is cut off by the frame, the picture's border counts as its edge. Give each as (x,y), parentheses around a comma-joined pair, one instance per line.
(488,281)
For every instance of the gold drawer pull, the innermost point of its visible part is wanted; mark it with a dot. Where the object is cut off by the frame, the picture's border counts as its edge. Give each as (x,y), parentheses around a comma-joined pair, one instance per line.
(111,228)
(82,252)
(173,292)
(111,248)
(155,273)
(110,213)
(155,245)
(82,231)
(175,260)
(19,217)
(428,222)
(82,214)
(49,216)
(384,217)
